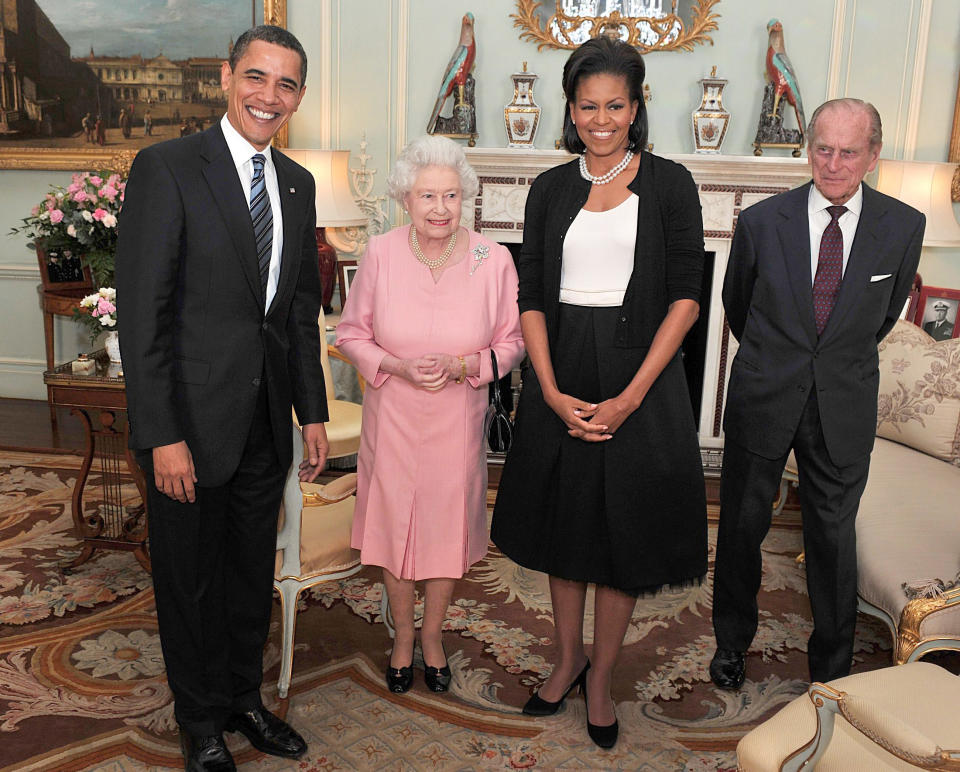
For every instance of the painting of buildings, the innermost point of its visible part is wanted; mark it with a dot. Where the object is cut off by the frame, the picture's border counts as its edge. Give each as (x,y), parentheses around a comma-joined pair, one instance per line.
(135,82)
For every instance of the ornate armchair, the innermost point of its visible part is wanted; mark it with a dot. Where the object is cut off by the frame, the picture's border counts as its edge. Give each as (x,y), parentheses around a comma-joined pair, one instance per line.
(313,539)
(895,718)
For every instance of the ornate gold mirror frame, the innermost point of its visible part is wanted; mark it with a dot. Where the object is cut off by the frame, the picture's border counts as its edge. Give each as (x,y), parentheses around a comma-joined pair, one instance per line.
(568,28)
(83,159)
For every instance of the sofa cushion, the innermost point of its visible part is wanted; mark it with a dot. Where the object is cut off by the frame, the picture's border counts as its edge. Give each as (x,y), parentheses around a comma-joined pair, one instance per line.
(908,530)
(919,399)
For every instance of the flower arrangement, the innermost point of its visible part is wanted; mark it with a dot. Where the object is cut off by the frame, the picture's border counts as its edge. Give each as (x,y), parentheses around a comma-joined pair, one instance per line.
(98,312)
(80,220)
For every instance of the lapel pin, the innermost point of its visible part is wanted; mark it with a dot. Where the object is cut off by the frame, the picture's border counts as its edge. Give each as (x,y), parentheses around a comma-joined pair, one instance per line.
(293,190)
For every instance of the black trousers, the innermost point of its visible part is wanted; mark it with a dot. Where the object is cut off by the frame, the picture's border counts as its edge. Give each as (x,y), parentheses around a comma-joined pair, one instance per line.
(829,499)
(213,566)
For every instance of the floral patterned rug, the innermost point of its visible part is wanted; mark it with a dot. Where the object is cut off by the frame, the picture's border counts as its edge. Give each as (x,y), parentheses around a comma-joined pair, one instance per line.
(82,683)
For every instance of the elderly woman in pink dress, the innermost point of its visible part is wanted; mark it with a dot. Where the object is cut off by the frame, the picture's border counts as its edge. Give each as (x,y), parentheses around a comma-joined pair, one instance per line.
(429,303)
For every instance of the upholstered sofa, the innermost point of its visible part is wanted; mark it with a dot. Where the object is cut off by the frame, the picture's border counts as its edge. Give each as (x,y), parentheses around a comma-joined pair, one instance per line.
(908,526)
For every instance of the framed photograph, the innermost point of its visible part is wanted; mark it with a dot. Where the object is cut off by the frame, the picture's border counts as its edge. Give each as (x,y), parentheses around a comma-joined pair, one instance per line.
(90,89)
(346,270)
(937,312)
(59,272)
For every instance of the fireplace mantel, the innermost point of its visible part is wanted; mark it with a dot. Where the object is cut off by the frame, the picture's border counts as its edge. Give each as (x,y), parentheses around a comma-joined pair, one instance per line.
(727,184)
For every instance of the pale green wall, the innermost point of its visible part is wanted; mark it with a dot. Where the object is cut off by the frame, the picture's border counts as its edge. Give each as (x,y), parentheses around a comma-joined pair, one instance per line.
(372,83)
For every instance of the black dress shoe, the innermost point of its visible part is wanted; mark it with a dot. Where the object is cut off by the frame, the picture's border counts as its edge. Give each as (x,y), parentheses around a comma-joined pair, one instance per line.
(400,679)
(268,733)
(205,753)
(728,668)
(537,706)
(604,736)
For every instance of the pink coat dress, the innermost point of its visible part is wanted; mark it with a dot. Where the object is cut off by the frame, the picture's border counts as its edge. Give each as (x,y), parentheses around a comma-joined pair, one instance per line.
(421,508)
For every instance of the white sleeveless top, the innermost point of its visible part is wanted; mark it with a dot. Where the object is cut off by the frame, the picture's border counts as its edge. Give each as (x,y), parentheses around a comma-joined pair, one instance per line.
(598,255)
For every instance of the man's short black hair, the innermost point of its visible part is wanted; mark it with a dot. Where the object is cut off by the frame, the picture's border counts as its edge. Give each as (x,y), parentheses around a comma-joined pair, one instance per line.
(269,33)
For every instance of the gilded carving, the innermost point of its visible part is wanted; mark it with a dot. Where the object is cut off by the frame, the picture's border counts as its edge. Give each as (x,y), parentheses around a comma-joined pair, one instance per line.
(667,33)
(912,616)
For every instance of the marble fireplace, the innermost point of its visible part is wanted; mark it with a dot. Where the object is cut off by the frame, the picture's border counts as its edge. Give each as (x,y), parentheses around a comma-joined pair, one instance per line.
(726,184)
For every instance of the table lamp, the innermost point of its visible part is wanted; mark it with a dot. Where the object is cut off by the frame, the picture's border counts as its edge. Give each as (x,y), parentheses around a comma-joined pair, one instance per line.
(924,186)
(335,207)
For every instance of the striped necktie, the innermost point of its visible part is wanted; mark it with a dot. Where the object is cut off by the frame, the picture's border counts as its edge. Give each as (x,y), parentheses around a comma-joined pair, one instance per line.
(262,216)
(826,284)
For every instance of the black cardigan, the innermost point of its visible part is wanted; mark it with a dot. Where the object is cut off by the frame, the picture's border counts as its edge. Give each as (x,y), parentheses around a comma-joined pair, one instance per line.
(668,257)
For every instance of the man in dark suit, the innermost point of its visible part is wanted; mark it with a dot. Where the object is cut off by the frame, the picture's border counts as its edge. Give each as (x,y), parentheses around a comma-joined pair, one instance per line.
(940,328)
(816,277)
(217,273)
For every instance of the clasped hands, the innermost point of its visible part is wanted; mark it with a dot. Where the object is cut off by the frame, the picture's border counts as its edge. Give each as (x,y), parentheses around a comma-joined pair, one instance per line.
(431,371)
(589,421)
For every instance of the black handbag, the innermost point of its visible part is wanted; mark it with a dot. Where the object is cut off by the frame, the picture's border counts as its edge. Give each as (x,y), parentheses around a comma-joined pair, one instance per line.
(497,426)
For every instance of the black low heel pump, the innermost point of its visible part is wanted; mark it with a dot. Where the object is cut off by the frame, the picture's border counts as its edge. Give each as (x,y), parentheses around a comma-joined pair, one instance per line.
(437,679)
(399,680)
(604,736)
(536,706)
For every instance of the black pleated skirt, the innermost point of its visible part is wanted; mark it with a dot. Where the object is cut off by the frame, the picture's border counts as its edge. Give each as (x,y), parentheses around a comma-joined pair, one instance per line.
(628,513)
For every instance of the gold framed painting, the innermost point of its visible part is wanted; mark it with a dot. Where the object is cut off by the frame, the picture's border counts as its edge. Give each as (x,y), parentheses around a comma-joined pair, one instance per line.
(87,91)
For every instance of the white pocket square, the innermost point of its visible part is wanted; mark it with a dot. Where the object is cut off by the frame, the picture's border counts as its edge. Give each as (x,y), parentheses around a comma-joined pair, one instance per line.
(881,276)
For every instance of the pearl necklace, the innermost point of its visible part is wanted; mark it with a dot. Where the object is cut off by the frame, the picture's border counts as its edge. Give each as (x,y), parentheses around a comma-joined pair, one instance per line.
(603,179)
(418,252)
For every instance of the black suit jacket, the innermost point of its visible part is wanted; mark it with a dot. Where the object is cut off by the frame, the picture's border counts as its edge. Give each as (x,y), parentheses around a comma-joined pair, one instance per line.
(768,299)
(193,335)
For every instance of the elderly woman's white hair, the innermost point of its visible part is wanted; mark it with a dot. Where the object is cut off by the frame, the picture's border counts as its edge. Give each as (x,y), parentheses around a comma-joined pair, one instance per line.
(430,150)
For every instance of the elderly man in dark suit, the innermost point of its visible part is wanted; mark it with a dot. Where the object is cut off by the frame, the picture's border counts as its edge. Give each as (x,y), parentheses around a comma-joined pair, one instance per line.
(940,328)
(816,277)
(217,273)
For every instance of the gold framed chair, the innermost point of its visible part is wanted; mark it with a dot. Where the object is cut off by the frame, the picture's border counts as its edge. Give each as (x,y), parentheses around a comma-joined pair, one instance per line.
(313,536)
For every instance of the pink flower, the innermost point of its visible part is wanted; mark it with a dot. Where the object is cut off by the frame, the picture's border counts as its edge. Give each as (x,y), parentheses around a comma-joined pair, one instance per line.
(73,187)
(95,180)
(108,192)
(113,179)
(56,216)
(80,196)
(99,214)
(35,211)
(104,306)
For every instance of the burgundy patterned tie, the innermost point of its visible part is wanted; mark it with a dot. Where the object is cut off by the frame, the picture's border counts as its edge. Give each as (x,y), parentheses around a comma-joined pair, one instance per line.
(829,269)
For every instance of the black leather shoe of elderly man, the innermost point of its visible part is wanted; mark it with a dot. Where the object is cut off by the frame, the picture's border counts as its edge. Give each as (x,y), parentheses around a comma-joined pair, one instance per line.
(205,753)
(268,733)
(728,668)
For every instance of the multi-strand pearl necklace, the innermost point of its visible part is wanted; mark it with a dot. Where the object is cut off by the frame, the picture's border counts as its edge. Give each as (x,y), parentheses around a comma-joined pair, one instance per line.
(418,252)
(603,179)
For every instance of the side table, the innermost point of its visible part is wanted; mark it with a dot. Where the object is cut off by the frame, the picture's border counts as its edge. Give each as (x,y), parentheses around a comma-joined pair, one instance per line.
(99,400)
(56,303)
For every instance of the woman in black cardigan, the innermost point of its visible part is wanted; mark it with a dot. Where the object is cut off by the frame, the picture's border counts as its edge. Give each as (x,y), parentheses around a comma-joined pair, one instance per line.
(604,482)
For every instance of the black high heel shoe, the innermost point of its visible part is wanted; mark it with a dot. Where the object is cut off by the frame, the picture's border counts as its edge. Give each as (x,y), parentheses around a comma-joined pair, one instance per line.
(399,680)
(537,706)
(604,736)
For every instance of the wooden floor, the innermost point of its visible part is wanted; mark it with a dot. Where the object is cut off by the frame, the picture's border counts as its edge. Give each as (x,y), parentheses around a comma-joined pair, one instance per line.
(25,425)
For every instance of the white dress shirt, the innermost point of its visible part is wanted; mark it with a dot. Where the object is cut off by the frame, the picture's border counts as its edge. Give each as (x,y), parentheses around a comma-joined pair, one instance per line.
(242,153)
(819,219)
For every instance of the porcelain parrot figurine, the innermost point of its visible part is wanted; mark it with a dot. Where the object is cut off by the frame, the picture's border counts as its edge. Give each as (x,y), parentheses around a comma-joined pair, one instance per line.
(457,70)
(781,73)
